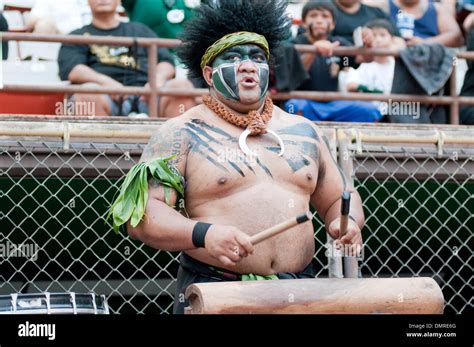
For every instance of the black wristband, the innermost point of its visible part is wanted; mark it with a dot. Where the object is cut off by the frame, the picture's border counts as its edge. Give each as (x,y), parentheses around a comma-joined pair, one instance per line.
(199,234)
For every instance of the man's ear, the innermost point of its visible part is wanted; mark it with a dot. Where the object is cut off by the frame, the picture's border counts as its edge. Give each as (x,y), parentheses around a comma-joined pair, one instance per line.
(207,74)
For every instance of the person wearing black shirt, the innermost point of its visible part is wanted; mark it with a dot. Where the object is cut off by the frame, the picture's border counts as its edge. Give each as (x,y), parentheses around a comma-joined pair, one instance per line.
(117,66)
(4,27)
(323,68)
(350,14)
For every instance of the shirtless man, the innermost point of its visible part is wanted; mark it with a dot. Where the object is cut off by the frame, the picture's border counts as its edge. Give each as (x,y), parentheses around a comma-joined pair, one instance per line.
(239,195)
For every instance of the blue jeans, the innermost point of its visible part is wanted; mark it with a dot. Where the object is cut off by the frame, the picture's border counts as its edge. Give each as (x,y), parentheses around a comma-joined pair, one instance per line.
(337,111)
(128,105)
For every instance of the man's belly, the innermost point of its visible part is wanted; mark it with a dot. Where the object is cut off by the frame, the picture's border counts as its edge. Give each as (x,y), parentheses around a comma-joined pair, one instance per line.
(253,210)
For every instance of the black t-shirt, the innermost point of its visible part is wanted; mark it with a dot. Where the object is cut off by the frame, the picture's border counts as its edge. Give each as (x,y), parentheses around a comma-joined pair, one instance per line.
(324,70)
(127,65)
(346,23)
(4,27)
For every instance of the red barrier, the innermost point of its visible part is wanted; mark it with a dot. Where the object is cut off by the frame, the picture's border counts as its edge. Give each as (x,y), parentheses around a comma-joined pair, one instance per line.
(30,103)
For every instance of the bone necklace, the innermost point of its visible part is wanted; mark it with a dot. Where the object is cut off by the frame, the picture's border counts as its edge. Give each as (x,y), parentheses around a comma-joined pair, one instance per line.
(254,124)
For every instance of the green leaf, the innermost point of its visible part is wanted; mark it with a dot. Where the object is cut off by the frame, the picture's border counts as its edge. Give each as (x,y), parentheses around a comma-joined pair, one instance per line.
(130,205)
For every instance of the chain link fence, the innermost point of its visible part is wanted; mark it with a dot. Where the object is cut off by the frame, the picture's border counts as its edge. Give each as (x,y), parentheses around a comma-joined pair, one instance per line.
(419,207)
(54,195)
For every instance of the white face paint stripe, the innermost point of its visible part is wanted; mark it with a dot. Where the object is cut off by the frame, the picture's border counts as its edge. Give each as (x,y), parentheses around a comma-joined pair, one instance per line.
(260,66)
(218,70)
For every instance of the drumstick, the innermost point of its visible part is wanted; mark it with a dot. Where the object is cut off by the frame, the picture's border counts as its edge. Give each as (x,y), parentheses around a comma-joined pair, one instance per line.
(345,208)
(279,228)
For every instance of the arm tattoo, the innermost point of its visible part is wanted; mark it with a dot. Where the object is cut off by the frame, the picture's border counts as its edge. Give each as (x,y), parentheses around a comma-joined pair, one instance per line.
(154,183)
(163,143)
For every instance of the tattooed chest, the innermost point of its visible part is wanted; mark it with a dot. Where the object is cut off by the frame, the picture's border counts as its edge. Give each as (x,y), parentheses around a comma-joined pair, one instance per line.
(215,155)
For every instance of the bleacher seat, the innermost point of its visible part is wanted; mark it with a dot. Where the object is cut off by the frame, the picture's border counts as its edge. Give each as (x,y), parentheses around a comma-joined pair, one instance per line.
(30,72)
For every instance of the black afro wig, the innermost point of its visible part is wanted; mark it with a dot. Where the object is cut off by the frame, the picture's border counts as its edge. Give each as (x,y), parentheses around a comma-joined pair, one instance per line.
(222,17)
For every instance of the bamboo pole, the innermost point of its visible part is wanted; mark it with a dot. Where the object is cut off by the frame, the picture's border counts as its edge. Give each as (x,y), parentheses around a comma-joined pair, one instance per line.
(107,129)
(59,129)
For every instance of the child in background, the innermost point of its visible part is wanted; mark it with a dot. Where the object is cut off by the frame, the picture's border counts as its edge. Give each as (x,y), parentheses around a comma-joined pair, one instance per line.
(376,76)
(323,69)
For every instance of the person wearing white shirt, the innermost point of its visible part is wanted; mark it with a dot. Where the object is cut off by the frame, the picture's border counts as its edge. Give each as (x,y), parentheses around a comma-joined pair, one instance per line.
(376,76)
(58,17)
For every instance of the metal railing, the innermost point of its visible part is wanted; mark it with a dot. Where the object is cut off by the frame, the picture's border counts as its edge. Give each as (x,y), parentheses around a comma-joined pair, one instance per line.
(453,100)
(59,175)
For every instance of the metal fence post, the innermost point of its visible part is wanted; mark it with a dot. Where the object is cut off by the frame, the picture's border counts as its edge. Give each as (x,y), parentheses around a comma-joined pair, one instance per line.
(351,266)
(152,62)
(454,108)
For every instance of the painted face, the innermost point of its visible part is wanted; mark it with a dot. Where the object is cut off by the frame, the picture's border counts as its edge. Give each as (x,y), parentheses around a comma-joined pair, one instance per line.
(241,72)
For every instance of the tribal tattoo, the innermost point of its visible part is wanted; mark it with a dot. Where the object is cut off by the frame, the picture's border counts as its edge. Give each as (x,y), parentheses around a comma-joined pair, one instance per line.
(221,149)
(303,140)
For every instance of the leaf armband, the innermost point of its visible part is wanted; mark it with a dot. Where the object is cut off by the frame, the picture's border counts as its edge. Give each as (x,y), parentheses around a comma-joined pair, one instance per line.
(131,201)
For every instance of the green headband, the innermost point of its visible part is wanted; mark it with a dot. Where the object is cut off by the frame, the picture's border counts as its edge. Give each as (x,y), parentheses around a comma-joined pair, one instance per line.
(231,40)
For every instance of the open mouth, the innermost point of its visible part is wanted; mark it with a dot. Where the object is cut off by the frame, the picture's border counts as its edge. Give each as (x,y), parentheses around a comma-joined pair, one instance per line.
(249,82)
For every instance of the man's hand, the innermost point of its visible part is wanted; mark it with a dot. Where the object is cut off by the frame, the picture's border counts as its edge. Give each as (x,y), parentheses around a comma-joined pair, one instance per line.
(160,82)
(353,234)
(326,48)
(111,83)
(368,42)
(367,37)
(414,41)
(228,244)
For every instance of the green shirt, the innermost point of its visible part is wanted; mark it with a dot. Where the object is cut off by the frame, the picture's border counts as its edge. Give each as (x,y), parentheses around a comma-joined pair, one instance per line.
(154,14)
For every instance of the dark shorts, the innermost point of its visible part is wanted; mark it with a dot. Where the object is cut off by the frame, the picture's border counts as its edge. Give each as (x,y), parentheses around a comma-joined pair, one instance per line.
(129,105)
(193,271)
(126,106)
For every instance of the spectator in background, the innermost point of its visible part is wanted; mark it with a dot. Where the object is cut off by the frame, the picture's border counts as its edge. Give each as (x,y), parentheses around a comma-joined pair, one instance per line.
(115,66)
(58,17)
(467,112)
(468,23)
(318,19)
(376,76)
(449,5)
(464,9)
(351,14)
(4,27)
(165,17)
(432,22)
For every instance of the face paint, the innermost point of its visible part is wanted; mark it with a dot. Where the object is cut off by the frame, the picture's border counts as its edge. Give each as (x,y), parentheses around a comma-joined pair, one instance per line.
(226,67)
